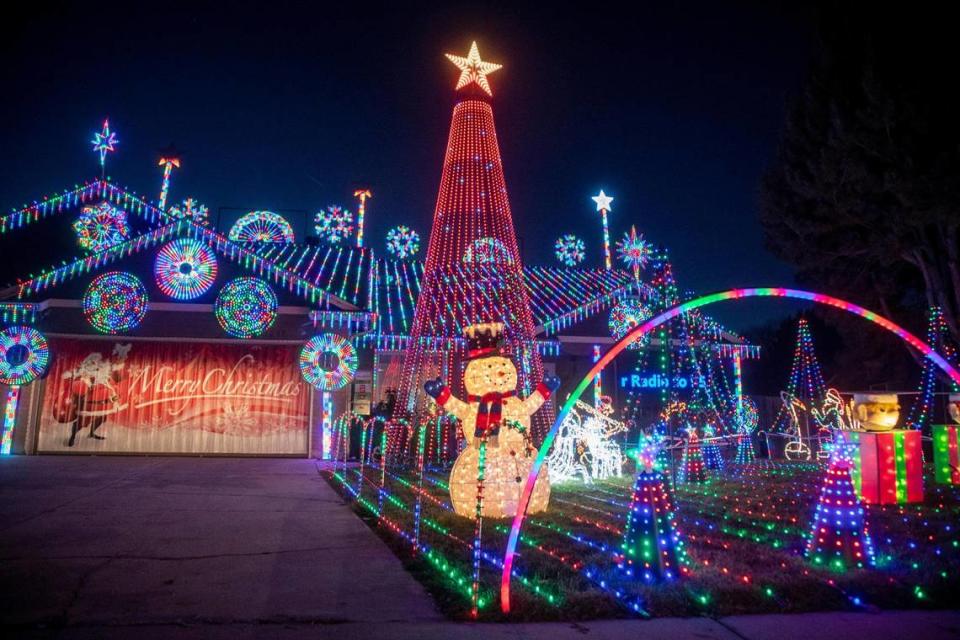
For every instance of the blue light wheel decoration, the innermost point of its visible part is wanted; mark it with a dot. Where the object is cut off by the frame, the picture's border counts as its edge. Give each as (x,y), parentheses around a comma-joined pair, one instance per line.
(627,315)
(185,269)
(328,361)
(115,302)
(246,307)
(24,355)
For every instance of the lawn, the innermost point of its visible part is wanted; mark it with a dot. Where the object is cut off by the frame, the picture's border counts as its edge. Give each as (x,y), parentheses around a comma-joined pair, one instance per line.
(743,533)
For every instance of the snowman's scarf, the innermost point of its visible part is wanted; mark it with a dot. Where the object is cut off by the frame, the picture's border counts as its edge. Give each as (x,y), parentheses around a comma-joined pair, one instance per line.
(489,413)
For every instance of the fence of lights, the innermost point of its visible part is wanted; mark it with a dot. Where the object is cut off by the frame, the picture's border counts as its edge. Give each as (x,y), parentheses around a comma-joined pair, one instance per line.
(115,302)
(185,269)
(246,307)
(333,224)
(328,361)
(403,242)
(570,250)
(101,226)
(261,226)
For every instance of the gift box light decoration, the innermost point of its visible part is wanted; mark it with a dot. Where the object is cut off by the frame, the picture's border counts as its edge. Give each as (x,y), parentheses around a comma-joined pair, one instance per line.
(495,416)
(887,465)
(185,269)
(246,307)
(115,302)
(946,454)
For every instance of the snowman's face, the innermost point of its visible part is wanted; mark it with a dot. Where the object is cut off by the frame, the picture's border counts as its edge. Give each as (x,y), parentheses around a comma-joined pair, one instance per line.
(495,374)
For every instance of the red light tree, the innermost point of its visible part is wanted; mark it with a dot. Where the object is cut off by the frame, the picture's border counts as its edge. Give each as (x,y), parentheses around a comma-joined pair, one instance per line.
(473,271)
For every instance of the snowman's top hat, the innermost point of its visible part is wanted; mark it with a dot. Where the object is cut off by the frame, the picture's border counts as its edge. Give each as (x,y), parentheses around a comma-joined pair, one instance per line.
(484,339)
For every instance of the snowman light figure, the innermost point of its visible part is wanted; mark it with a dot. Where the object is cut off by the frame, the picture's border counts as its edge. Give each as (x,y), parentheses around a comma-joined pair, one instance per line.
(495,414)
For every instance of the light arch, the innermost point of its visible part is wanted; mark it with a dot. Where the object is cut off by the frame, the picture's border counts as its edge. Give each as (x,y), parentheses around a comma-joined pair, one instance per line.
(650,325)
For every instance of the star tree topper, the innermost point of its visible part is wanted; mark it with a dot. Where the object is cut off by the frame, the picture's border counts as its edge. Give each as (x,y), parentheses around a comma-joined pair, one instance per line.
(473,69)
(603,201)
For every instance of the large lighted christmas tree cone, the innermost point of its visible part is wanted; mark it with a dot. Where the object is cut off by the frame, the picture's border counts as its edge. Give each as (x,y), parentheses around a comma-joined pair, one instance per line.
(839,538)
(651,543)
(496,425)
(692,469)
(473,273)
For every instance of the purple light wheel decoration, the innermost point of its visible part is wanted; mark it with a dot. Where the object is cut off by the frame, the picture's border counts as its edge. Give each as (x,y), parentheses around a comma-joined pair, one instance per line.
(246,307)
(328,361)
(185,269)
(115,302)
(24,355)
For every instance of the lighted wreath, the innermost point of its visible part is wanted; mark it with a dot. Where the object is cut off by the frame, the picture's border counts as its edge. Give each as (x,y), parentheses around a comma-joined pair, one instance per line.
(115,302)
(246,307)
(328,361)
(24,355)
(185,269)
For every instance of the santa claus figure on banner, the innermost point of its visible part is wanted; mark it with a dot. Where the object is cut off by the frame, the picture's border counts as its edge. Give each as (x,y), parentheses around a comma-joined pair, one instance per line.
(92,396)
(494,416)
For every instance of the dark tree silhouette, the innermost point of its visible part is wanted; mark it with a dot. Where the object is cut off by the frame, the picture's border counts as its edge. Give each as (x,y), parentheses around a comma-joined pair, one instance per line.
(863,195)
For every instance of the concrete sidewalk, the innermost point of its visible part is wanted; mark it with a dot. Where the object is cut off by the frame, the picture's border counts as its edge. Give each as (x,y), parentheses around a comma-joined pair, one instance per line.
(215,548)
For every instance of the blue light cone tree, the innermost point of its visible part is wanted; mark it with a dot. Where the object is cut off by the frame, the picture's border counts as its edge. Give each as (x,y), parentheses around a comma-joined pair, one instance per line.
(651,543)
(839,537)
(692,469)
(922,409)
(745,452)
(712,457)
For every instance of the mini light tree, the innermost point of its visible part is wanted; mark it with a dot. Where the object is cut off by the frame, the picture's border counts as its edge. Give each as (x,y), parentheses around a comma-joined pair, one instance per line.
(922,408)
(806,379)
(747,419)
(651,543)
(839,537)
(692,469)
(712,458)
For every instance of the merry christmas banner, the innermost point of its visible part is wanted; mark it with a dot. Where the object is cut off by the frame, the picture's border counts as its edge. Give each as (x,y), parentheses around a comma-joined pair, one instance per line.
(105,396)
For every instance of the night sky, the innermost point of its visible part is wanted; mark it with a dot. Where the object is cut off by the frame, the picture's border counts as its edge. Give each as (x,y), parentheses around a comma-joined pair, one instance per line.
(675,111)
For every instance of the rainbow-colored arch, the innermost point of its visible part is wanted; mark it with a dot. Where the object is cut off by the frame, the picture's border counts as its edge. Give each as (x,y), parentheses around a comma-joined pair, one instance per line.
(653,323)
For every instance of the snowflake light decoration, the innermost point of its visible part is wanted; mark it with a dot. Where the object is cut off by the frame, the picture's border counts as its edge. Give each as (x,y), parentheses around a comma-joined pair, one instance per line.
(115,302)
(570,250)
(101,226)
(625,317)
(328,361)
(261,226)
(246,307)
(403,242)
(185,268)
(333,224)
(24,355)
(634,251)
(193,210)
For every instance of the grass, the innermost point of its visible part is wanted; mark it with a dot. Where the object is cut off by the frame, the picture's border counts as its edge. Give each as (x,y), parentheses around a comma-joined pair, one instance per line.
(743,533)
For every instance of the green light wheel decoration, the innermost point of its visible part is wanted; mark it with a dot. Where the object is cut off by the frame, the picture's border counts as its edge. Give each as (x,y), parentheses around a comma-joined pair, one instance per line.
(24,355)
(328,361)
(246,307)
(115,302)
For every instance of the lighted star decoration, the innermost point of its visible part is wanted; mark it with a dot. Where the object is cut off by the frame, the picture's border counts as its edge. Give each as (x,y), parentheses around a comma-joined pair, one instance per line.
(104,142)
(603,201)
(473,69)
(634,250)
